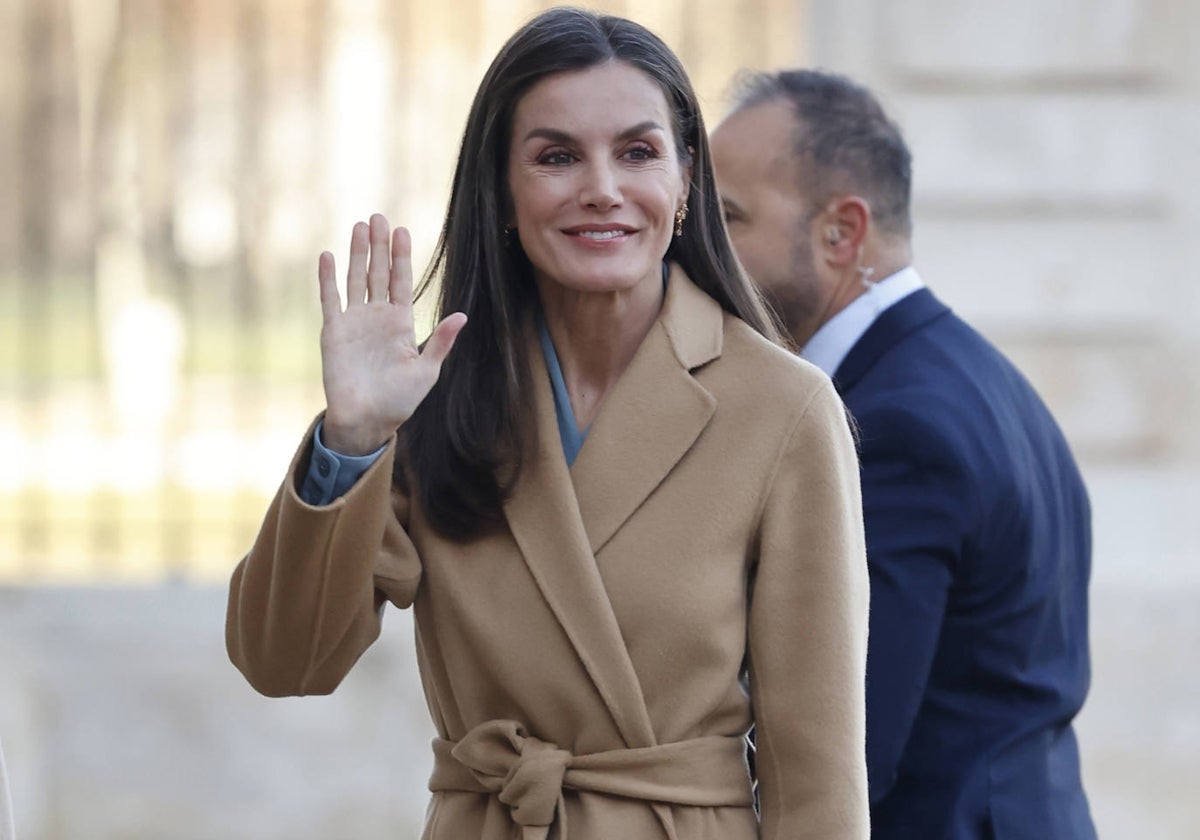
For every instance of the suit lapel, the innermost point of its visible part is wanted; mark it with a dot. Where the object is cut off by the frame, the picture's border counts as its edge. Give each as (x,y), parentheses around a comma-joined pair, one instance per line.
(899,320)
(652,416)
(543,516)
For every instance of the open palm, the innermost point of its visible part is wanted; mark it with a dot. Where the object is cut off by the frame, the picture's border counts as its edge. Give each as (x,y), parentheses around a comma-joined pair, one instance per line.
(374,374)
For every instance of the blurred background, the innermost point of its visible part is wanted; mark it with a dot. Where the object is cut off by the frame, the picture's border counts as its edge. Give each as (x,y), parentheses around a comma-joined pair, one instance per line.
(169,171)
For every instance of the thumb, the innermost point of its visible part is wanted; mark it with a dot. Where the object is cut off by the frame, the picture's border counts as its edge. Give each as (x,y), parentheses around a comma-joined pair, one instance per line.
(437,348)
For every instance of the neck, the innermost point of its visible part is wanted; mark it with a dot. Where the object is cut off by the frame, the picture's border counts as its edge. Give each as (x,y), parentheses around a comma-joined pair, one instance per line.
(848,286)
(596,336)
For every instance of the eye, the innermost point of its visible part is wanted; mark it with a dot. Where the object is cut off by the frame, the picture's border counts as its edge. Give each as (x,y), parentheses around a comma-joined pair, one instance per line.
(641,152)
(556,157)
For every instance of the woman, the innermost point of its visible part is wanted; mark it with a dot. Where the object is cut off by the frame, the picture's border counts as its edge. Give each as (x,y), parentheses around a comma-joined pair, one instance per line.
(614,499)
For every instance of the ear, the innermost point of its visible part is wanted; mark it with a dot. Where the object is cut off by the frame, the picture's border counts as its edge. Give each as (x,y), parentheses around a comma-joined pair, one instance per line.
(842,229)
(685,172)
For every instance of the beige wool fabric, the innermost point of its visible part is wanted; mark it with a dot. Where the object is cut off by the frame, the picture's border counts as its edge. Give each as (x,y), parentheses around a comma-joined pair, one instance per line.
(582,666)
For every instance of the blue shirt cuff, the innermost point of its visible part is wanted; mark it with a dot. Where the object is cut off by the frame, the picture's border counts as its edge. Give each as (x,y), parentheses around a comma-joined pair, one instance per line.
(332,474)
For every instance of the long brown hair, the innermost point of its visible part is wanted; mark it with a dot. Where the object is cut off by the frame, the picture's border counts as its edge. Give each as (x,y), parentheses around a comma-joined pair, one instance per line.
(465,441)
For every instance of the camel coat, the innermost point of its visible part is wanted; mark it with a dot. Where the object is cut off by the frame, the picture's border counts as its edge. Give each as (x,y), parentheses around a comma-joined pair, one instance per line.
(583,667)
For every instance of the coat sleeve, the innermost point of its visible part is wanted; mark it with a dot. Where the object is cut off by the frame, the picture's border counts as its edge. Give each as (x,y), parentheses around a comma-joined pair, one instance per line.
(307,600)
(808,635)
(916,496)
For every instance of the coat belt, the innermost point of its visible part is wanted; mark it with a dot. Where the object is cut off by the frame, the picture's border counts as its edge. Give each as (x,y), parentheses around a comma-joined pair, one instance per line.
(529,775)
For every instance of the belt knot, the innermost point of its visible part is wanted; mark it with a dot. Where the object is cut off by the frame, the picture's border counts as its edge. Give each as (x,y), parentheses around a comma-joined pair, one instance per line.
(528,775)
(526,772)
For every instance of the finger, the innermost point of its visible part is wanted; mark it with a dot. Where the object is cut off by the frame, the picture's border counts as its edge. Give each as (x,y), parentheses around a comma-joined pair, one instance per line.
(380,266)
(400,281)
(400,286)
(356,273)
(439,344)
(331,305)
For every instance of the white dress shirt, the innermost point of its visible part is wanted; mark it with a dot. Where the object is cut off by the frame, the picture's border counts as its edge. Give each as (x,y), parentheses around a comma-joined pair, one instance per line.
(833,341)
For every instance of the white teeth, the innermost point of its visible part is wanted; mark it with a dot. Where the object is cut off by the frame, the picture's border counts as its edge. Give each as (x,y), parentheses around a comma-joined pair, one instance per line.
(601,234)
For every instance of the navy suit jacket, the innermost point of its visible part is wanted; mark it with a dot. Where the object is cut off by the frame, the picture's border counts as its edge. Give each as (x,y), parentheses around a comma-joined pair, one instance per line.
(979,547)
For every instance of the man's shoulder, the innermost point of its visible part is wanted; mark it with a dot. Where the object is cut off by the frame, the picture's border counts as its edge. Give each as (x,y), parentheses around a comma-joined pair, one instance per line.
(932,386)
(948,389)
(944,357)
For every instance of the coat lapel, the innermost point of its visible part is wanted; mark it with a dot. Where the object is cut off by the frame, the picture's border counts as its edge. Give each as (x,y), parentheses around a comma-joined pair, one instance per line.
(543,515)
(652,416)
(561,518)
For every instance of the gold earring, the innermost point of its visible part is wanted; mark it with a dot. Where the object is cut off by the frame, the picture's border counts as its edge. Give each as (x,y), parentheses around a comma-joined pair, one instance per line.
(680,215)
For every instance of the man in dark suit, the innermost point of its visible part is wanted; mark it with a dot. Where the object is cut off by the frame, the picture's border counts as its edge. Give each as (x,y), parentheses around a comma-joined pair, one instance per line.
(978,528)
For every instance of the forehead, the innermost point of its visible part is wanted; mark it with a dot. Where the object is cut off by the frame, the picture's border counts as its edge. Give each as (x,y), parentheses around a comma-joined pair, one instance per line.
(772,121)
(610,96)
(757,144)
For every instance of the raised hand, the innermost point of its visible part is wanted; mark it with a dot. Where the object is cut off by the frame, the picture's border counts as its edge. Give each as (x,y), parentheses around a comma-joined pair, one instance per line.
(374,374)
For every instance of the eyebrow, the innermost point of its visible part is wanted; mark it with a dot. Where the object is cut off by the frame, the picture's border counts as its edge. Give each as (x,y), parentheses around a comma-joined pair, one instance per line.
(556,136)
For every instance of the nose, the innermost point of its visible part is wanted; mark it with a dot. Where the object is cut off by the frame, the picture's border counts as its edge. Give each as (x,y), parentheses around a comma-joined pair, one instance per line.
(601,187)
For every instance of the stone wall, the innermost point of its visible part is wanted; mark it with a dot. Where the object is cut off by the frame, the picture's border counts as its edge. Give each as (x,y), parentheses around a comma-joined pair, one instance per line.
(1057,166)
(122,719)
(1055,193)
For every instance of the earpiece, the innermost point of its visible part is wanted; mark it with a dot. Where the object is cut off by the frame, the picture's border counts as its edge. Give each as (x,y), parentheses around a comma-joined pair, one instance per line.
(833,235)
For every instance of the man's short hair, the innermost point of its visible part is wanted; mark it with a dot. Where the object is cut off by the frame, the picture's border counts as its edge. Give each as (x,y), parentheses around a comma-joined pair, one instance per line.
(845,141)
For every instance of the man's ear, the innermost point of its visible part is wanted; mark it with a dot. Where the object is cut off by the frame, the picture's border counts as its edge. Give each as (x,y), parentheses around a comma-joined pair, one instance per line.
(843,228)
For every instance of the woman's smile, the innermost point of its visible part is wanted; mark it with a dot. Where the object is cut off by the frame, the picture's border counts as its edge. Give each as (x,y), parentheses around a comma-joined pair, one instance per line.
(595,179)
(594,235)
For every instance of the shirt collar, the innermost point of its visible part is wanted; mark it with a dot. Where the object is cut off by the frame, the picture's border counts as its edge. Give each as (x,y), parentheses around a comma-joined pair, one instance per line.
(828,347)
(830,344)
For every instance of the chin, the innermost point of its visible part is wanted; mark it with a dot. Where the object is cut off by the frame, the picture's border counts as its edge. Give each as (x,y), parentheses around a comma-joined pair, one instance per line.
(602,283)
(600,280)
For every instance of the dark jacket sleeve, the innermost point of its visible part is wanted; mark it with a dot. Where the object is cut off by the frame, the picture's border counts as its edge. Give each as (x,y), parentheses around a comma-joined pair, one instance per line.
(916,500)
